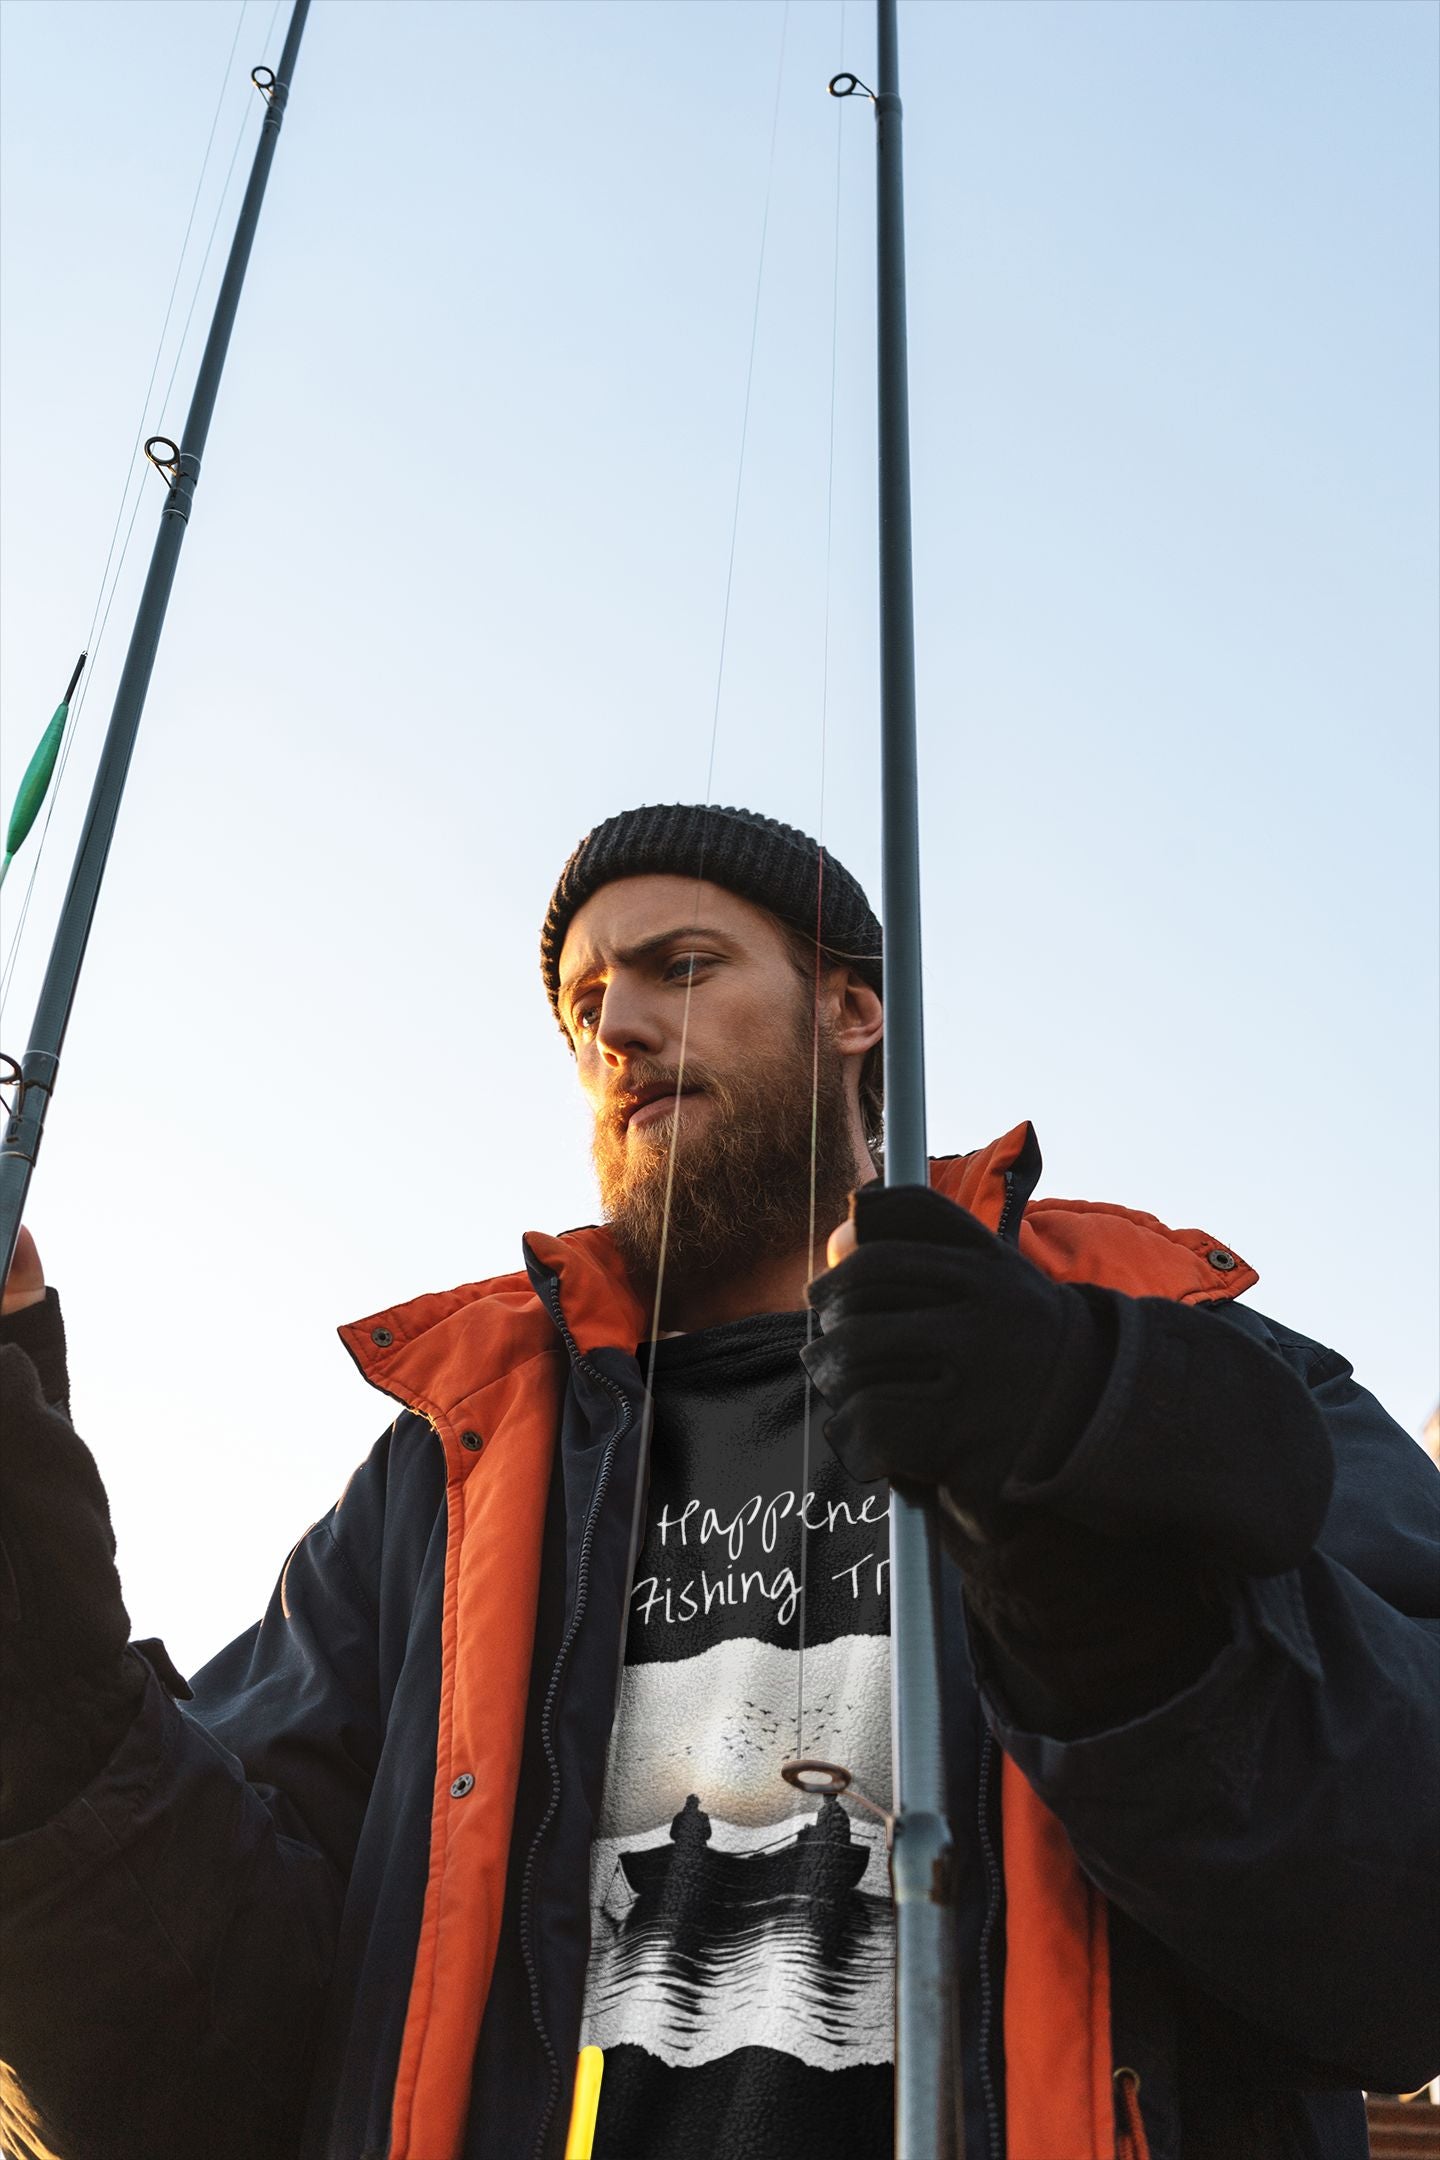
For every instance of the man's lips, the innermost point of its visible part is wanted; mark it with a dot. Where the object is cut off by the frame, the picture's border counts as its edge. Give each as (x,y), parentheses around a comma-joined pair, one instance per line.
(649,1113)
(649,1104)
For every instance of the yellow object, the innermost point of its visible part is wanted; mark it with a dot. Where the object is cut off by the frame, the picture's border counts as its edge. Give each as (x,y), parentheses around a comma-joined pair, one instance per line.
(580,2138)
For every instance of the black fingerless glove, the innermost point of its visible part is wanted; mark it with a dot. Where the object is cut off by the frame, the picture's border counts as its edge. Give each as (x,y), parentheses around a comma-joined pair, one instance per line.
(69,1687)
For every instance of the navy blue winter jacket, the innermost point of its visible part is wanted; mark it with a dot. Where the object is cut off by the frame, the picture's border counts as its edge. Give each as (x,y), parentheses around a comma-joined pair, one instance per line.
(214,1950)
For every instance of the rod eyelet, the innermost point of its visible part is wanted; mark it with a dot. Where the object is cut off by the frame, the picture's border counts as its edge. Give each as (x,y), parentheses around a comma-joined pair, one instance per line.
(169,465)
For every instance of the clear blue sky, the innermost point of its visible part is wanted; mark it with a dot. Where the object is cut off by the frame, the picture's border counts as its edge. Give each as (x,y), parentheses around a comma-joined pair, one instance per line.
(454,591)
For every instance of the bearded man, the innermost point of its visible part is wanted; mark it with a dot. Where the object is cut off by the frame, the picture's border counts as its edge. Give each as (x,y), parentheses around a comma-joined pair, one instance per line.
(365,1886)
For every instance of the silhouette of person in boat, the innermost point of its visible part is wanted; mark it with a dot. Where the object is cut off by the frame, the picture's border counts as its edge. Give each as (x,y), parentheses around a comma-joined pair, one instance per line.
(708,1904)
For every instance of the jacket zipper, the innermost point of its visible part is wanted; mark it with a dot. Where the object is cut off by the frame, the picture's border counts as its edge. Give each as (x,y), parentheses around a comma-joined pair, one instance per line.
(993,1885)
(582,1583)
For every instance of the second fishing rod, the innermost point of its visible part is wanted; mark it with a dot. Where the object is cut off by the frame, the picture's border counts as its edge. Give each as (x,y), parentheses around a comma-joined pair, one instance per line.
(928,2111)
(180,465)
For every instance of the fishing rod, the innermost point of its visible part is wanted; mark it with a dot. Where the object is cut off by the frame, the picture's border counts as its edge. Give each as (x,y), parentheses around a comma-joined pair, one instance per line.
(929,2122)
(927,2056)
(33,1079)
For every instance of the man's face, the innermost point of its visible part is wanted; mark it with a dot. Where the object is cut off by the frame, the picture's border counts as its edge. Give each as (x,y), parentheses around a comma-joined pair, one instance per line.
(703,1117)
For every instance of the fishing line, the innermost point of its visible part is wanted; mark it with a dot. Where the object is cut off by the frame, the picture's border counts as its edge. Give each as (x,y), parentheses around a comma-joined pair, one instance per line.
(170,308)
(215,221)
(715,714)
(95,638)
(745,415)
(819,917)
(647,1422)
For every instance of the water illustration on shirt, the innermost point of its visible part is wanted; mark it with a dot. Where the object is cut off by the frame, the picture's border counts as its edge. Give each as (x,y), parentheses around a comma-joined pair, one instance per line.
(748,1915)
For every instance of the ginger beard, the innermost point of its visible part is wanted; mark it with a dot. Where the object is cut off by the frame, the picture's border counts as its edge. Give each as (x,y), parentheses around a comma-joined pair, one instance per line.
(741,1184)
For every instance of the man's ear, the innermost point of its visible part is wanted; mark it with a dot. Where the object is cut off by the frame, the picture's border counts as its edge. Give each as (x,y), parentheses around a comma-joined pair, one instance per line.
(859,1014)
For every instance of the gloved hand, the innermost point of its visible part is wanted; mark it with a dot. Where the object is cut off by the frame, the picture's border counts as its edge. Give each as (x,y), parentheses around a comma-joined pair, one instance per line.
(948,1359)
(68,1686)
(1107,1466)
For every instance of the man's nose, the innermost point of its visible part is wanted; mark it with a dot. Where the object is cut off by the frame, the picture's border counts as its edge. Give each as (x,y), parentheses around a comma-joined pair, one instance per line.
(630,1024)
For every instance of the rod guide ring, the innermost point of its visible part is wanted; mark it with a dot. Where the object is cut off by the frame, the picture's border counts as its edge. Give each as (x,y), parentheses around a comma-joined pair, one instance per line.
(170,464)
(264,80)
(847,85)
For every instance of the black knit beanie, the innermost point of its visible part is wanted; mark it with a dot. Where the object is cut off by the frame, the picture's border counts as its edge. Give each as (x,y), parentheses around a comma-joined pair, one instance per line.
(759,858)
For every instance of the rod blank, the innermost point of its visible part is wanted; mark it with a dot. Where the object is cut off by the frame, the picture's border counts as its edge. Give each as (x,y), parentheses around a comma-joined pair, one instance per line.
(40,1065)
(928,2115)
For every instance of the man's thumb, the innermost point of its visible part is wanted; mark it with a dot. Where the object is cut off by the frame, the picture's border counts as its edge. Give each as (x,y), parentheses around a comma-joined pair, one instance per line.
(25,1284)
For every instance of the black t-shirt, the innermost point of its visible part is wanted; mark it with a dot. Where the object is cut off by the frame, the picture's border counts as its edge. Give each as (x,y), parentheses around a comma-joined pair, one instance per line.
(741,1962)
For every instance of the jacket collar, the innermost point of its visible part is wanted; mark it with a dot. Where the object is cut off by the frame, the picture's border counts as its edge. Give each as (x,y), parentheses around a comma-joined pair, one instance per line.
(439,1353)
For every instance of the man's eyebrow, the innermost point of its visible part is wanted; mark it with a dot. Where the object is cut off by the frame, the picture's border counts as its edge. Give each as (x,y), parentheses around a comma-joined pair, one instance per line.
(645,949)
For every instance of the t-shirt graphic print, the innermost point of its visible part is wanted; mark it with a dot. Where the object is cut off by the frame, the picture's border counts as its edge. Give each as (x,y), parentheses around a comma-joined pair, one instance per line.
(741,1961)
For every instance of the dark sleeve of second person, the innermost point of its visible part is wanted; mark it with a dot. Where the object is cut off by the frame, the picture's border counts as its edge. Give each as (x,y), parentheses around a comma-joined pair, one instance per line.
(170,1932)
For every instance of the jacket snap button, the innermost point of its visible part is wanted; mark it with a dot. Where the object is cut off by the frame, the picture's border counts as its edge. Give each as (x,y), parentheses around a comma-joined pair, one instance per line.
(461,1786)
(473,1441)
(381,1336)
(1221,1259)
